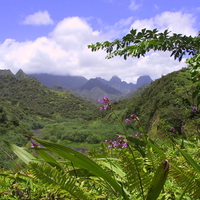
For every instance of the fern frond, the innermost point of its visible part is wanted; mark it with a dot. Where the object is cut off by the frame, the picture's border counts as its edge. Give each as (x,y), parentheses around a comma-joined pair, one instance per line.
(183,174)
(53,177)
(129,167)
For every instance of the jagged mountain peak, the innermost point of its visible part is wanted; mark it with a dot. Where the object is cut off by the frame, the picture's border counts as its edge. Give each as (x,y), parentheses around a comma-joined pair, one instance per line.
(144,80)
(20,74)
(115,80)
(95,83)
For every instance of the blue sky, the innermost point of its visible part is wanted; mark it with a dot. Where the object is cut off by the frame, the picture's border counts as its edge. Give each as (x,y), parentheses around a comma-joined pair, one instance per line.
(51,36)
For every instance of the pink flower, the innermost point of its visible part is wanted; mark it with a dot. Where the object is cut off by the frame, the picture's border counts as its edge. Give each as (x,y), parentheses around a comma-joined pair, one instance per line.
(124,145)
(101,108)
(127,120)
(105,107)
(105,99)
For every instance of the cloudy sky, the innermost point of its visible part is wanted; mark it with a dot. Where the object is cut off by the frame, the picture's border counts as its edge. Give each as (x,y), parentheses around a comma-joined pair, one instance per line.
(51,36)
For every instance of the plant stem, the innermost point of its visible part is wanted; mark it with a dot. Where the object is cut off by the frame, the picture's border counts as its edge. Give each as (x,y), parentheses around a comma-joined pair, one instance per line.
(138,172)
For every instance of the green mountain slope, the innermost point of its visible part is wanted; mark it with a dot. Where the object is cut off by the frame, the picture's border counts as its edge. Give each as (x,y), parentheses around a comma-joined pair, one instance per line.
(36,99)
(26,104)
(167,100)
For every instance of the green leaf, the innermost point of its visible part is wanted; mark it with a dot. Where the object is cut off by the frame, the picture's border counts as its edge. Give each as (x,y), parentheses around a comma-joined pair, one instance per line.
(49,159)
(21,153)
(155,148)
(80,160)
(190,161)
(110,164)
(158,181)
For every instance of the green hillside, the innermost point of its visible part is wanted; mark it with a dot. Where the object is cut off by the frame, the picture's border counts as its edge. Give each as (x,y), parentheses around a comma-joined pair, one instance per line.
(167,100)
(25,104)
(35,99)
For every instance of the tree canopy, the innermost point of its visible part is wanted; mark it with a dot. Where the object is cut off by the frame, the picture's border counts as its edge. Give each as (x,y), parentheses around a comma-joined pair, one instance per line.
(137,44)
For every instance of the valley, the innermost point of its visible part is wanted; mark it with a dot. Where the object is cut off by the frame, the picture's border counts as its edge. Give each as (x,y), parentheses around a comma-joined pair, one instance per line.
(72,127)
(68,118)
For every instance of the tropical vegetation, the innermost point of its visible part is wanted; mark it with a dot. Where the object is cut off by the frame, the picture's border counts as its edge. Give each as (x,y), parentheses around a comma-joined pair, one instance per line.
(149,144)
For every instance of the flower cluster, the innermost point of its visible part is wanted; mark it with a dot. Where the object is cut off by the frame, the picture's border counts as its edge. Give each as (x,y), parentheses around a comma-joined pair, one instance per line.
(106,103)
(104,100)
(119,144)
(132,118)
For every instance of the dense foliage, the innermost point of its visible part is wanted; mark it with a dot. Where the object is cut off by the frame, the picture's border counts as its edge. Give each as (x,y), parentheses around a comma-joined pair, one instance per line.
(11,128)
(132,164)
(36,99)
(130,167)
(167,100)
(25,105)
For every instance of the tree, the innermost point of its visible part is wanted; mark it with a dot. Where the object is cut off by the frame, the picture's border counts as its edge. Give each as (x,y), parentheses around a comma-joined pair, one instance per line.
(137,44)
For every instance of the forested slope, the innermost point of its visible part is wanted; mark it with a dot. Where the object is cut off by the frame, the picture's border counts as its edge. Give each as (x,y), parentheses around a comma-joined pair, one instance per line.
(36,99)
(168,99)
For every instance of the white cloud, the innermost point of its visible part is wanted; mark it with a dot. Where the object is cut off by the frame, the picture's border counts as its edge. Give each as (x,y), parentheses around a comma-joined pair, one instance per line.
(73,33)
(65,50)
(38,18)
(134,6)
(176,22)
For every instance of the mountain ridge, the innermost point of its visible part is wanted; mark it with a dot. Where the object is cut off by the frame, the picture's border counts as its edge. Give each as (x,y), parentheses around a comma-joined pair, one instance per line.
(114,87)
(93,88)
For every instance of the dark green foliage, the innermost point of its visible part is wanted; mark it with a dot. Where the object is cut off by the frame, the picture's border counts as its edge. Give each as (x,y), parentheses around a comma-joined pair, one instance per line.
(92,132)
(11,129)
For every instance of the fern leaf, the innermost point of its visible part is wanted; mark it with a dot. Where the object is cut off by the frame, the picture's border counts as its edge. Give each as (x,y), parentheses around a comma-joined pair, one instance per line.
(53,177)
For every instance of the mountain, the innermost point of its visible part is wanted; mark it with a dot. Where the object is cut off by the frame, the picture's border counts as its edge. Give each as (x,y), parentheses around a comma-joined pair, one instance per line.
(142,80)
(92,83)
(63,89)
(95,89)
(35,99)
(6,72)
(20,74)
(26,104)
(69,82)
(125,87)
(167,100)
(76,82)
